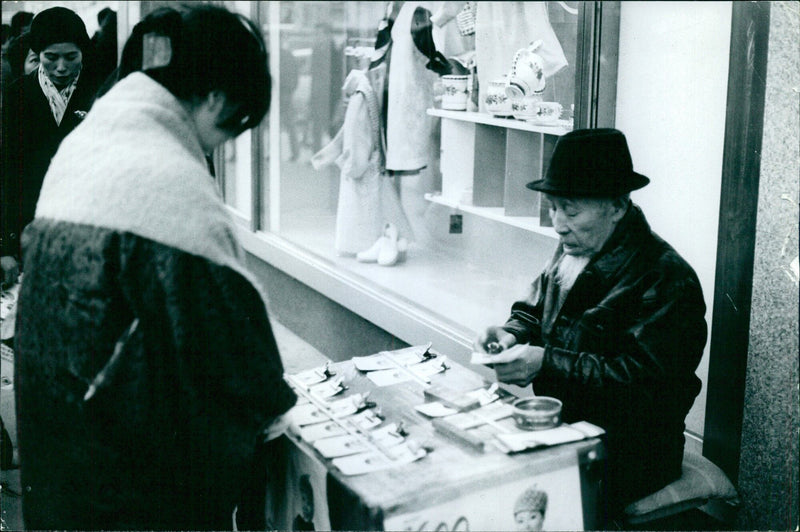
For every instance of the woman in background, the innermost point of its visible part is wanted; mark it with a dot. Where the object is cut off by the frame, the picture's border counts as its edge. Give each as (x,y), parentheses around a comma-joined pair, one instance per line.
(39,110)
(146,368)
(19,58)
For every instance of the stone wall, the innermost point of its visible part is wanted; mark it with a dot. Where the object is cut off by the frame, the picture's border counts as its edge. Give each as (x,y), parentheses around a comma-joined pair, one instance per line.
(768,478)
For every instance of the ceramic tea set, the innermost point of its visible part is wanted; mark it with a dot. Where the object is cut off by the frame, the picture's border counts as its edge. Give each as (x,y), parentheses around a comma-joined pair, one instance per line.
(519,93)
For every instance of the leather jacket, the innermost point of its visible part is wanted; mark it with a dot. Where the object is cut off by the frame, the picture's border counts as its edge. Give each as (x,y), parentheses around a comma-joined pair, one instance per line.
(622,350)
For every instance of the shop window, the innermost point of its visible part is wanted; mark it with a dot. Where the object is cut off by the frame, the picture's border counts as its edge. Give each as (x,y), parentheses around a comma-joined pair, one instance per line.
(438,217)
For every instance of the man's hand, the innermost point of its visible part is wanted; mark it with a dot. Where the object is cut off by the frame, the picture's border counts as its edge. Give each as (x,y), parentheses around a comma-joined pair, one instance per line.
(497,335)
(525,365)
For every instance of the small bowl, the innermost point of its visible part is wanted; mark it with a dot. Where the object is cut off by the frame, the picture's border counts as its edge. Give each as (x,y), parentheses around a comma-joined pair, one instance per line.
(537,413)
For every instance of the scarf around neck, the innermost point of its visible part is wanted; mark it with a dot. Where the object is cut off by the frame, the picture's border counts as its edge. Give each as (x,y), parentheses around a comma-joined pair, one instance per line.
(58,99)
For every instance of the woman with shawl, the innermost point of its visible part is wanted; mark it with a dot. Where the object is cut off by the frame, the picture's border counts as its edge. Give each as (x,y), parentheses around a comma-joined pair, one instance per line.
(146,368)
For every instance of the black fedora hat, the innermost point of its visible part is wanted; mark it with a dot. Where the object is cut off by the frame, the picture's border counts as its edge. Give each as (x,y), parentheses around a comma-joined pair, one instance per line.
(590,163)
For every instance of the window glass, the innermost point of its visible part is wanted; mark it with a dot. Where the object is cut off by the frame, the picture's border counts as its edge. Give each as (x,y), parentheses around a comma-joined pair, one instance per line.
(360,162)
(233,163)
(237,172)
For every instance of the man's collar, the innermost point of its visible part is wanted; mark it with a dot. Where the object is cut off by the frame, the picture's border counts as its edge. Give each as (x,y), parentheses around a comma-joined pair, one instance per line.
(617,249)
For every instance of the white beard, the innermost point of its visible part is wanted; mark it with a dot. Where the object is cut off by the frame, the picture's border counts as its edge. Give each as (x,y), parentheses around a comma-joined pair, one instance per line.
(569,268)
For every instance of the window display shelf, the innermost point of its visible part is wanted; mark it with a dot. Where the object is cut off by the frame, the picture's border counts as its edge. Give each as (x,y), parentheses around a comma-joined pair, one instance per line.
(530,223)
(490,160)
(561,128)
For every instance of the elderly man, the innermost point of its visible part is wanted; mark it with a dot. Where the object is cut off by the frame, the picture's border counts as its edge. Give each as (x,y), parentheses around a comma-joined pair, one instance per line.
(614,326)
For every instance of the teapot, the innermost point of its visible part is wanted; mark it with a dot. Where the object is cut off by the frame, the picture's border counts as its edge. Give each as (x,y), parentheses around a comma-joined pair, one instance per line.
(527,73)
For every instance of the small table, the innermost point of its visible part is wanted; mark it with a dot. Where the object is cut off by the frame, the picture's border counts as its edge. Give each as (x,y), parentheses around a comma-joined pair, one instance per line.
(454,487)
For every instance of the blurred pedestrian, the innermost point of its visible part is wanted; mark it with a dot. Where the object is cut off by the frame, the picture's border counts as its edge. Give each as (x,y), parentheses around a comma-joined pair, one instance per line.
(105,43)
(21,59)
(20,22)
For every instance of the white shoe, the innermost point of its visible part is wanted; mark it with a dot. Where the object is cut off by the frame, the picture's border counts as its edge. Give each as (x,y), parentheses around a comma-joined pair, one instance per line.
(393,254)
(371,254)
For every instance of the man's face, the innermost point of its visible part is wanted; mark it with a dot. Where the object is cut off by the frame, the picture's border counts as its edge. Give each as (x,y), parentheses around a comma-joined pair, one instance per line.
(583,224)
(62,63)
(529,520)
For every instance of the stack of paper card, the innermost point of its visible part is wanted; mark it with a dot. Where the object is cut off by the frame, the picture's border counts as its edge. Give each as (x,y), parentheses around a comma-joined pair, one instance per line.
(492,426)
(362,421)
(520,441)
(507,355)
(347,430)
(319,382)
(348,444)
(369,462)
(482,397)
(393,367)
(391,359)
(307,413)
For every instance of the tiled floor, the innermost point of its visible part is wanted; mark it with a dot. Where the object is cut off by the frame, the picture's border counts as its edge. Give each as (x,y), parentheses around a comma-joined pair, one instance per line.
(296,354)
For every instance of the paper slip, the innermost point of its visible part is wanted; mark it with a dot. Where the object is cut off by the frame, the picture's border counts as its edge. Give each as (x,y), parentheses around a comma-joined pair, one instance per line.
(485,396)
(591,431)
(310,376)
(507,355)
(364,421)
(326,389)
(337,446)
(481,416)
(359,464)
(308,413)
(435,409)
(421,372)
(519,441)
(312,433)
(391,359)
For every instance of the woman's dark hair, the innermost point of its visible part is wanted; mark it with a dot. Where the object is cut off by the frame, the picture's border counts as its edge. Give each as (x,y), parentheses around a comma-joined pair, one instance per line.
(212,49)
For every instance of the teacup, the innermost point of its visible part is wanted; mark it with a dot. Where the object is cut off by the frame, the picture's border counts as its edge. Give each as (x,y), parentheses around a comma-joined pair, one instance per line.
(495,99)
(455,93)
(525,108)
(547,112)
